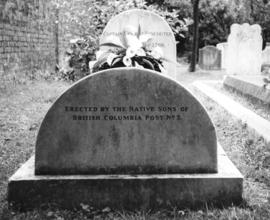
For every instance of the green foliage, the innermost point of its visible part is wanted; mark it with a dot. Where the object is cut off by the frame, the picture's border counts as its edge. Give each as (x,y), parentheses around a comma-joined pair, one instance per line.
(84,18)
(81,51)
(215,21)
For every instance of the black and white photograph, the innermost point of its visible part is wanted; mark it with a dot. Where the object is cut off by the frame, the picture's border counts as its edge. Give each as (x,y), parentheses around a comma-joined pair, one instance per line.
(134,109)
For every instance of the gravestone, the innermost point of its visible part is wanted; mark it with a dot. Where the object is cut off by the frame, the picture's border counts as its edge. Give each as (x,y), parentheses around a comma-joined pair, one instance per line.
(224,50)
(126,138)
(244,50)
(134,123)
(210,58)
(266,56)
(150,23)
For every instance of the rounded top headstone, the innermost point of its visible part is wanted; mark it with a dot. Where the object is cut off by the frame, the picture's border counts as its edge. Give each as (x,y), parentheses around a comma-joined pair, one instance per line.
(150,23)
(126,121)
(257,29)
(234,28)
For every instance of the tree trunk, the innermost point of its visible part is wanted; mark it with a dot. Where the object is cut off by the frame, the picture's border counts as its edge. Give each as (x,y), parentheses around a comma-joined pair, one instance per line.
(195,36)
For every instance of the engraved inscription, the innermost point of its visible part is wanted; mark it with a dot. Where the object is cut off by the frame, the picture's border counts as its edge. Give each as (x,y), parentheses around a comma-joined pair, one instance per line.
(126,113)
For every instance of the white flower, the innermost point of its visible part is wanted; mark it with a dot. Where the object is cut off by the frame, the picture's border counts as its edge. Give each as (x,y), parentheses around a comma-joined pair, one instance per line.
(110,58)
(133,41)
(140,52)
(127,61)
(188,21)
(99,53)
(138,65)
(131,52)
(91,65)
(73,41)
(145,39)
(157,53)
(130,35)
(112,41)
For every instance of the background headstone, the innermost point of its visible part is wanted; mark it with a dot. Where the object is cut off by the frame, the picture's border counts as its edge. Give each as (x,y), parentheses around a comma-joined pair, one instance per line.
(224,50)
(266,55)
(150,23)
(244,50)
(126,121)
(210,58)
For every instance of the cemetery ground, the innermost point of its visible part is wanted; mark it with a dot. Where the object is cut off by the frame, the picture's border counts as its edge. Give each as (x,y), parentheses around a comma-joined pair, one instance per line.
(21,111)
(257,106)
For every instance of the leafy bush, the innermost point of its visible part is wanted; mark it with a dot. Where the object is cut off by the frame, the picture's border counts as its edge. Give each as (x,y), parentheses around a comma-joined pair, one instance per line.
(85,20)
(78,56)
(215,21)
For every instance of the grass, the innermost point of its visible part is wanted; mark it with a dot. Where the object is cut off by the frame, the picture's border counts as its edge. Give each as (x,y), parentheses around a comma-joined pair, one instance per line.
(22,110)
(249,152)
(259,107)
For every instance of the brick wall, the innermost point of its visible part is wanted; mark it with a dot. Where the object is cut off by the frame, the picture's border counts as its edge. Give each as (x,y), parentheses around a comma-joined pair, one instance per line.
(28,38)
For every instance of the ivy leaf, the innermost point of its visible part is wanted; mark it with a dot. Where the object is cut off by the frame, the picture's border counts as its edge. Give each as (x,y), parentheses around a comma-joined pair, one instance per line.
(182,35)
(110,44)
(147,63)
(99,63)
(116,60)
(113,41)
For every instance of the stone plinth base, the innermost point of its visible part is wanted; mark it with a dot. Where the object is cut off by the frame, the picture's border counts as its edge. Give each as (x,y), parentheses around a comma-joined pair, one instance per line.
(249,85)
(27,191)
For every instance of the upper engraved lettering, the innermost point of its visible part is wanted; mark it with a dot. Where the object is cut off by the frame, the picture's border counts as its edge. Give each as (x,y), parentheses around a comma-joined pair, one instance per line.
(80,109)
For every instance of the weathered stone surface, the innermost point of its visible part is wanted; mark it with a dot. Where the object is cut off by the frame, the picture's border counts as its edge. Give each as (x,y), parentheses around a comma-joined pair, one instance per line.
(244,50)
(150,23)
(224,53)
(256,123)
(249,85)
(153,125)
(27,191)
(210,58)
(266,55)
